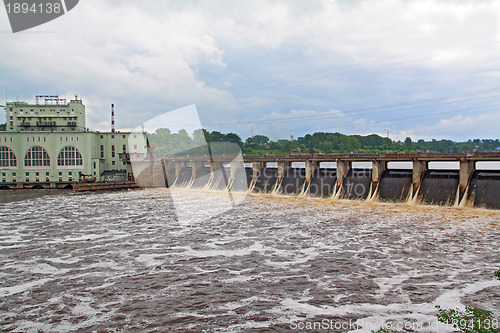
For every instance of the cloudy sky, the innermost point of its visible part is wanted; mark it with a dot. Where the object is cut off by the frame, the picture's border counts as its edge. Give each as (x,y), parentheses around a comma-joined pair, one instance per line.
(424,69)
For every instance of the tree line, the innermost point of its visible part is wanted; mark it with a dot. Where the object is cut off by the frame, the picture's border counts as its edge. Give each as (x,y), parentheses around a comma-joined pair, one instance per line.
(168,143)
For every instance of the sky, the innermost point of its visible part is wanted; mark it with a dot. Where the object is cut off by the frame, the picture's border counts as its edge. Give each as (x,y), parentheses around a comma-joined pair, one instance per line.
(419,69)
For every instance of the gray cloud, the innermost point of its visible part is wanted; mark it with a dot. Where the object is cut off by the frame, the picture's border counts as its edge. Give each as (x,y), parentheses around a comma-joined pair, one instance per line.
(242,61)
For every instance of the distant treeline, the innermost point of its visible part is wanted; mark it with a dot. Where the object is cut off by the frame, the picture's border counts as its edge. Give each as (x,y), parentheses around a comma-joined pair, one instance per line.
(165,142)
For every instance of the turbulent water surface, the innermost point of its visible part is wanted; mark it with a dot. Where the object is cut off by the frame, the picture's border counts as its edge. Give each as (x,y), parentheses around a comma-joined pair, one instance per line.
(121,261)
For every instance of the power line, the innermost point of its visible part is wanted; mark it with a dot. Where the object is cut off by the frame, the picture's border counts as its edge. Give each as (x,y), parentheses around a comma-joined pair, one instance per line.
(371,109)
(353,124)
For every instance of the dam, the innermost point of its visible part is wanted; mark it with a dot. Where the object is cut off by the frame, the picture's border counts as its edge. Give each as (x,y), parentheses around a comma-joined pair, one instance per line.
(369,177)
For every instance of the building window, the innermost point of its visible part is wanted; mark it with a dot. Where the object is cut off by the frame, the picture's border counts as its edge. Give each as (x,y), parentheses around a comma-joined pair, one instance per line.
(112,137)
(95,165)
(112,150)
(102,151)
(123,136)
(124,148)
(101,136)
(69,156)
(112,162)
(36,156)
(7,157)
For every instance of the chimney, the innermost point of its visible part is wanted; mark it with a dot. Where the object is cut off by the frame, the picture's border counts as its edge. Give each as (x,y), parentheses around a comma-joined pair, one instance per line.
(112,118)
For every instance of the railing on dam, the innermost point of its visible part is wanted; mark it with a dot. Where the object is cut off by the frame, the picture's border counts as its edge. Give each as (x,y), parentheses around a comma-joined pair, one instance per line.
(465,186)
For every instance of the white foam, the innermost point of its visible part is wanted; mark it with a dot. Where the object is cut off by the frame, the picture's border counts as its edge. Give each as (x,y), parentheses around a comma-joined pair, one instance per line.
(452,298)
(8,291)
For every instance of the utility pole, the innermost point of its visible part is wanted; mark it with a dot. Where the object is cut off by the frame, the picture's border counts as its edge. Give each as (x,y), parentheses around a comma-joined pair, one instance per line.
(291,144)
(387,140)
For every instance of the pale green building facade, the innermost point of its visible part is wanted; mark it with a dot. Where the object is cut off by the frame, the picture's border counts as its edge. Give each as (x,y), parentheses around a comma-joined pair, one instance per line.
(48,142)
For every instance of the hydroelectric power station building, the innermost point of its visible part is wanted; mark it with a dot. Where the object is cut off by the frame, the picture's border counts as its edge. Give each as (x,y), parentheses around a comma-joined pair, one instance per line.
(47,144)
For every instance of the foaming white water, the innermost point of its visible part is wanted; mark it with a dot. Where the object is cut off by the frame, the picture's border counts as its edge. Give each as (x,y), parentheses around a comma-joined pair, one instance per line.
(122,261)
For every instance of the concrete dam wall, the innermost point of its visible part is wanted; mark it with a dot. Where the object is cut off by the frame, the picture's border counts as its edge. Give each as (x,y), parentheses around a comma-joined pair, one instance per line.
(323,182)
(484,189)
(439,187)
(420,184)
(395,185)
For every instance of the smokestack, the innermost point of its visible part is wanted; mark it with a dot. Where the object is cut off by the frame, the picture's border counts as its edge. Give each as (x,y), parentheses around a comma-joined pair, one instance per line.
(112,118)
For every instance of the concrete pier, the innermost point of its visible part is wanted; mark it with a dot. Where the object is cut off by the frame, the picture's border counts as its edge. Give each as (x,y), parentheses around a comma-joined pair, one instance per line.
(310,168)
(342,167)
(178,167)
(419,167)
(282,166)
(234,167)
(256,166)
(466,169)
(196,166)
(378,167)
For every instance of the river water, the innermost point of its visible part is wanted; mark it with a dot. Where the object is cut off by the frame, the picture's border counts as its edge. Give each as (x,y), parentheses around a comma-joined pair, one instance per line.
(121,261)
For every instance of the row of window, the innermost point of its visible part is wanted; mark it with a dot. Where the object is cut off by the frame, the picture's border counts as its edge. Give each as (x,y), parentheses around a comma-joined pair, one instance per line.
(34,139)
(43,110)
(112,136)
(45,118)
(38,157)
(4,174)
(61,138)
(33,129)
(39,176)
(28,139)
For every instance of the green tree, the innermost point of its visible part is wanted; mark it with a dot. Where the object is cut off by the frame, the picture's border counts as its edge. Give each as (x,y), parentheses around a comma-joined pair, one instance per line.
(260,139)
(408,143)
(233,138)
